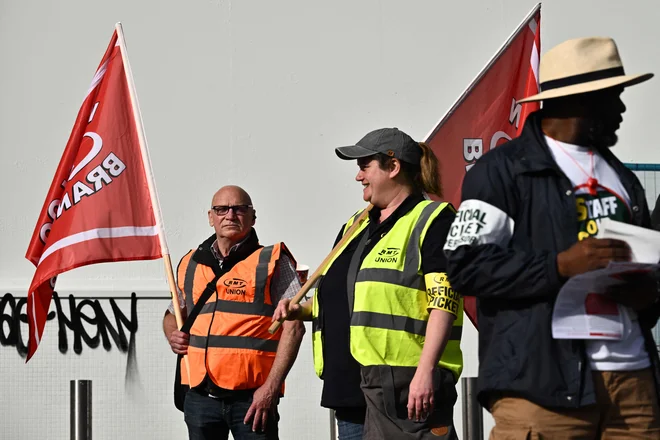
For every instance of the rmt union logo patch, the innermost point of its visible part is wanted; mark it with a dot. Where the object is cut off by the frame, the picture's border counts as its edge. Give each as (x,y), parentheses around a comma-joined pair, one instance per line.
(235,286)
(388,255)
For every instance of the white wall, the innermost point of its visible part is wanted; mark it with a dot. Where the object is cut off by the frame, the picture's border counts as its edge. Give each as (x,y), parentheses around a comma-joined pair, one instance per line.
(255,93)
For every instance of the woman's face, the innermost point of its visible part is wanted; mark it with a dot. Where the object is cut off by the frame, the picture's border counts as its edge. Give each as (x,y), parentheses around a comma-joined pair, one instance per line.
(376,182)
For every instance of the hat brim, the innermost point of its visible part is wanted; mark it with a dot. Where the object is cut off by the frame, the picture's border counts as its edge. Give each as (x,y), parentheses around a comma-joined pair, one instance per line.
(353,152)
(592,86)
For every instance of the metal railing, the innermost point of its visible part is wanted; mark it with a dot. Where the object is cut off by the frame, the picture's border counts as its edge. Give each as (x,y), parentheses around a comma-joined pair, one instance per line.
(643,166)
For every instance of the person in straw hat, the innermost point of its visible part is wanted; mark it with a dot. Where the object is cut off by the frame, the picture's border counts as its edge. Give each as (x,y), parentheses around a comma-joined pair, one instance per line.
(530,210)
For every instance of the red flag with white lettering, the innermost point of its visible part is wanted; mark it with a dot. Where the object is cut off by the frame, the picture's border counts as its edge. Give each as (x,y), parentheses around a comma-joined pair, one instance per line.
(98,208)
(488,113)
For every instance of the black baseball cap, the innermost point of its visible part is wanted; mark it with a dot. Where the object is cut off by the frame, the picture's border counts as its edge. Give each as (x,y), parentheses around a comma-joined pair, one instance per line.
(389,141)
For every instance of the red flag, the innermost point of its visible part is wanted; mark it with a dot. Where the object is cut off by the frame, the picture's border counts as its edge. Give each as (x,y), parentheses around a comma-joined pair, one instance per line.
(487,114)
(98,208)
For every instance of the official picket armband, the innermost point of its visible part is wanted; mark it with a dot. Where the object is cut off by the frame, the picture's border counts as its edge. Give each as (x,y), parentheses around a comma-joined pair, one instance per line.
(440,294)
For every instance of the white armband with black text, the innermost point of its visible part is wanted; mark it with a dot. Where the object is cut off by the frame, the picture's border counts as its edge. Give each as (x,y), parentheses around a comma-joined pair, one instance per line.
(478,222)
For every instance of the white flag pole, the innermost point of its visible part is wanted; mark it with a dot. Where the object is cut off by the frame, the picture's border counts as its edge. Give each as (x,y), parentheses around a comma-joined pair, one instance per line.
(481,74)
(142,138)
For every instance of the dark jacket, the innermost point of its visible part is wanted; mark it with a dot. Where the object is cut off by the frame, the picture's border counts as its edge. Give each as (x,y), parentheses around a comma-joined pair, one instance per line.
(525,214)
(655,216)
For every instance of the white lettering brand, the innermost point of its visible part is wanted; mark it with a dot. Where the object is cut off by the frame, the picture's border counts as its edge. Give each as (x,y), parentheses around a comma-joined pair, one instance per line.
(514,114)
(111,166)
(99,177)
(473,149)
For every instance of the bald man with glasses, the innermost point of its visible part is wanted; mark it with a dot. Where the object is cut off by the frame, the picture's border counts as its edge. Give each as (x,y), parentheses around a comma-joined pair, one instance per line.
(228,288)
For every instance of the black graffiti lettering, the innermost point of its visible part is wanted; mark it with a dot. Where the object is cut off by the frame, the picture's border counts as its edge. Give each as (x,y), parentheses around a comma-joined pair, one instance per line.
(10,323)
(74,323)
(19,317)
(95,316)
(87,321)
(131,325)
(62,323)
(7,332)
(79,331)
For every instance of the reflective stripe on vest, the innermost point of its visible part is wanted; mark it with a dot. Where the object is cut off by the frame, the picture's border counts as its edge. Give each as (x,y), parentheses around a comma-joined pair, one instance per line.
(233,342)
(317,334)
(229,340)
(188,283)
(317,319)
(316,325)
(183,272)
(402,323)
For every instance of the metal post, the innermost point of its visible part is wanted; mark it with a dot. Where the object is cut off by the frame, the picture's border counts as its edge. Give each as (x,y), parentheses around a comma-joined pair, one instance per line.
(473,421)
(81,410)
(333,425)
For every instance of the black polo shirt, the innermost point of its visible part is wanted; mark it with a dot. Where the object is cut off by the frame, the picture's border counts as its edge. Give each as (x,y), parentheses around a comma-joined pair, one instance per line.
(341,372)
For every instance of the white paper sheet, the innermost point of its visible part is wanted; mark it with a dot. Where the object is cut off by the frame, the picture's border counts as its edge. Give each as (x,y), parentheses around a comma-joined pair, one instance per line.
(644,243)
(581,310)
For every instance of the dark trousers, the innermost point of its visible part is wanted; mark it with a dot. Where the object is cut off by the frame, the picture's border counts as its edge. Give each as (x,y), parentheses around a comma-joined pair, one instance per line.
(386,388)
(349,430)
(212,419)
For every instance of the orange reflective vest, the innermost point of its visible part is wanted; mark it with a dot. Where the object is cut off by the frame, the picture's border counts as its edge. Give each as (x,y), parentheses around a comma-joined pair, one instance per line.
(229,340)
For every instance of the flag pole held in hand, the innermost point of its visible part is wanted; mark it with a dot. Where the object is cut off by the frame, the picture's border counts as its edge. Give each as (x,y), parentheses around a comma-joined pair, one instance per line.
(317,273)
(146,160)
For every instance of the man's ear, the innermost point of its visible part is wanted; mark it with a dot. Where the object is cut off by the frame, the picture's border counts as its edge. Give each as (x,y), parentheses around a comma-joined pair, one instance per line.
(254,216)
(210,214)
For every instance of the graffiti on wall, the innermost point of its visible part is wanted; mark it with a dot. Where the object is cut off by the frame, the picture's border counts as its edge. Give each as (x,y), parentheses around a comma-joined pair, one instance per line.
(85,322)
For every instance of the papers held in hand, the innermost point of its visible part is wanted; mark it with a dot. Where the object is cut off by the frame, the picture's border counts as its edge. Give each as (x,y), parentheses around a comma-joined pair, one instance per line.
(644,243)
(582,311)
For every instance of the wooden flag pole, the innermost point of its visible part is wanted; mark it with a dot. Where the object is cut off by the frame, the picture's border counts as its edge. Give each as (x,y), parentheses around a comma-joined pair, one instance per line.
(146,161)
(317,273)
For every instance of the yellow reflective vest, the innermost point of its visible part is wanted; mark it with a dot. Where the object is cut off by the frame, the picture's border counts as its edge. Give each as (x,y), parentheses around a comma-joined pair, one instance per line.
(389,300)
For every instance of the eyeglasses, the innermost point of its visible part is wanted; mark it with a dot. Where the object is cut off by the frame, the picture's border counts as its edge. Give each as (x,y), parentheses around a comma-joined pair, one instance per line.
(222,210)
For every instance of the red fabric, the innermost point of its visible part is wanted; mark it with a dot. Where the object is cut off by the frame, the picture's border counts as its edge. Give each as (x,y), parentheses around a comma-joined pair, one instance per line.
(488,115)
(98,207)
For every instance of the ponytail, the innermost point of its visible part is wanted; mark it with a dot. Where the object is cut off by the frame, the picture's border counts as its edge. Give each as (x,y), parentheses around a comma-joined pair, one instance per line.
(428,178)
(423,177)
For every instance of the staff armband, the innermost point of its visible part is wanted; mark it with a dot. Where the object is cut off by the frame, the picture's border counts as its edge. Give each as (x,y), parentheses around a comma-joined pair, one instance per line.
(440,294)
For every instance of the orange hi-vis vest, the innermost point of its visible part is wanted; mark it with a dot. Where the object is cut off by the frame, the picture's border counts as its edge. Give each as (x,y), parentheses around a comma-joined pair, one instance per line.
(229,340)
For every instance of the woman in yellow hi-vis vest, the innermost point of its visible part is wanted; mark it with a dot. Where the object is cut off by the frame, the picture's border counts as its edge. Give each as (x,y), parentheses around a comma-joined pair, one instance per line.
(386,323)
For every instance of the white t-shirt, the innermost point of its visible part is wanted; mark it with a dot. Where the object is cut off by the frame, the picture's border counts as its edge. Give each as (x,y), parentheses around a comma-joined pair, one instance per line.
(607,199)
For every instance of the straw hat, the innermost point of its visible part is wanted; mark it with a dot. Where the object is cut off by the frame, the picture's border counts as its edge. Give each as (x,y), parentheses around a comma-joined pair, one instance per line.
(580,66)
